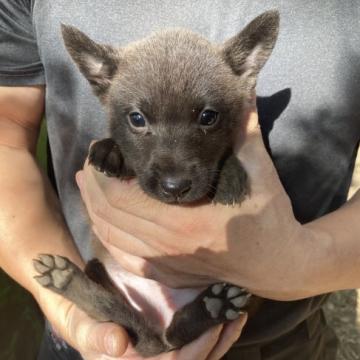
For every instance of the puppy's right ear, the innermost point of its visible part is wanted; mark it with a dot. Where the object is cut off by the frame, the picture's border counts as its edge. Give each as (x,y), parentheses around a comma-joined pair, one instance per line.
(97,62)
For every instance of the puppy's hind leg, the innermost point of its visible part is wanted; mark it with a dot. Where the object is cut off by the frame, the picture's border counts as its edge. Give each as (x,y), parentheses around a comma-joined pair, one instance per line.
(96,271)
(218,304)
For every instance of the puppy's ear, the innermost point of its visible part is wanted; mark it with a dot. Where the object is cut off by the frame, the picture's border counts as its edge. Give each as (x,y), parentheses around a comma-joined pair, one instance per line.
(247,52)
(97,62)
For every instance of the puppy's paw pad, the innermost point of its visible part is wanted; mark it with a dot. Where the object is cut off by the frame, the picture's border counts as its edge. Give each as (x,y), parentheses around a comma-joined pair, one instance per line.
(213,306)
(106,157)
(233,291)
(55,271)
(232,314)
(44,280)
(225,302)
(217,288)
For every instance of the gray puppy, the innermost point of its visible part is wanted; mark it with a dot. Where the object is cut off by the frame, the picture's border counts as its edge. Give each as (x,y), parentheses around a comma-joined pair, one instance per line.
(174,103)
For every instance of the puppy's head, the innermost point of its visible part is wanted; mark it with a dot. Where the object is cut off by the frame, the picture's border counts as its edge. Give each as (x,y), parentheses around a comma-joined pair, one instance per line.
(174,100)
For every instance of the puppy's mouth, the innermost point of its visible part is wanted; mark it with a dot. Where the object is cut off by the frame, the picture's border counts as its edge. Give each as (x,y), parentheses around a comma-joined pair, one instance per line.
(183,200)
(172,190)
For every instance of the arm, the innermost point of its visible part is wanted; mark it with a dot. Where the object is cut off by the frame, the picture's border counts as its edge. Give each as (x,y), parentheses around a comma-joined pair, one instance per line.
(337,268)
(29,210)
(258,245)
(31,221)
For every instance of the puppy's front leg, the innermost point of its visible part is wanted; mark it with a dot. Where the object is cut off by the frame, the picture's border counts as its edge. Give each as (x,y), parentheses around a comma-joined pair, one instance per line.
(233,183)
(62,276)
(106,157)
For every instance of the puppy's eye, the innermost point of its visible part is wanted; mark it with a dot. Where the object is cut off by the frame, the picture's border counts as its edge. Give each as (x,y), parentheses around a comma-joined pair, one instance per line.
(137,120)
(208,118)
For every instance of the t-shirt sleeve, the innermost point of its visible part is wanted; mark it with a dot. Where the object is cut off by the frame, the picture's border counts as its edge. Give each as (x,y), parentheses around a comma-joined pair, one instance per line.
(20,62)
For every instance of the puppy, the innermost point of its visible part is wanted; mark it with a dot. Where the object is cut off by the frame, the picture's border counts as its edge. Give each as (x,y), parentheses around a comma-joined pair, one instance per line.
(174,102)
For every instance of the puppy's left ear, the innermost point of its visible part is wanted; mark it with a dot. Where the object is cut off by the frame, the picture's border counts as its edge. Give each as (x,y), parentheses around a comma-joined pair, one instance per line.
(247,52)
(97,62)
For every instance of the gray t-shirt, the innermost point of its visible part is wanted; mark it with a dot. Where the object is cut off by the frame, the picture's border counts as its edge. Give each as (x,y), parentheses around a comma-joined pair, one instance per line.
(308,101)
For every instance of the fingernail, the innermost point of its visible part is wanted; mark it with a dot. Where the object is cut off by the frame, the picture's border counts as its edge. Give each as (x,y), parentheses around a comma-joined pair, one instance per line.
(242,321)
(112,345)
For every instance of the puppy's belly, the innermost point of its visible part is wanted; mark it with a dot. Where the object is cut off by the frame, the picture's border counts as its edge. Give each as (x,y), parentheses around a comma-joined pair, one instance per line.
(158,302)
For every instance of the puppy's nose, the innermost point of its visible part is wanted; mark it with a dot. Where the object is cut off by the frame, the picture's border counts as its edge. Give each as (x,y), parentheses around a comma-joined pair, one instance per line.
(177,187)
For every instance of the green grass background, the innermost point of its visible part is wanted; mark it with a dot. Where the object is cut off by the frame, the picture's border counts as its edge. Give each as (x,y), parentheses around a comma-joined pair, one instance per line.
(21,322)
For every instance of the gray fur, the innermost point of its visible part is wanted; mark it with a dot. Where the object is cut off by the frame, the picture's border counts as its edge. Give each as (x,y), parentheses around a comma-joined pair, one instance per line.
(169,79)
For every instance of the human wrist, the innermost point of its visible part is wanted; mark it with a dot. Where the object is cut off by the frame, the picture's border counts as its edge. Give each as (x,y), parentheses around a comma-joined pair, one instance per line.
(295,268)
(319,262)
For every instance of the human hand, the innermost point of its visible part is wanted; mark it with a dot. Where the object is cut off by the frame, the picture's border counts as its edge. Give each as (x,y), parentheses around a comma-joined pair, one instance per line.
(258,245)
(97,340)
(212,345)
(92,339)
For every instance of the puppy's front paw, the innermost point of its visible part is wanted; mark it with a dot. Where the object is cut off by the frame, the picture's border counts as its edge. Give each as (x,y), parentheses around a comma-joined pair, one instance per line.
(106,157)
(225,301)
(233,183)
(56,272)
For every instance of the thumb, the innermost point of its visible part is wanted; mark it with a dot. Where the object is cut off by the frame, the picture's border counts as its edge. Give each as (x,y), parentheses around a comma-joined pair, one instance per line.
(92,337)
(249,148)
(83,333)
(249,144)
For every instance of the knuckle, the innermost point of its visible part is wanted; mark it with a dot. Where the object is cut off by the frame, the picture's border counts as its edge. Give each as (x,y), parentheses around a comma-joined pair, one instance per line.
(103,234)
(100,209)
(186,226)
(113,198)
(134,265)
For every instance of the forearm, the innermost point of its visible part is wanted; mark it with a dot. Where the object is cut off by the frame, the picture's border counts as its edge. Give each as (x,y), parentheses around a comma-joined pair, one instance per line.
(30,217)
(31,222)
(333,257)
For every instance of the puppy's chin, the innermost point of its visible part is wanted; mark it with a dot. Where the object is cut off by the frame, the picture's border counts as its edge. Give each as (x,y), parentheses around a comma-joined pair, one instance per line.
(194,197)
(182,201)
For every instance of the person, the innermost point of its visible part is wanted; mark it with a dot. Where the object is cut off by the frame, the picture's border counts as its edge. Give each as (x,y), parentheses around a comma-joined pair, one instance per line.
(292,240)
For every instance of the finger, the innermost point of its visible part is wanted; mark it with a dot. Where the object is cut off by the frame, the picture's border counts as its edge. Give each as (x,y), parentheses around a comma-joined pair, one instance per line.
(85,334)
(111,235)
(103,194)
(176,279)
(100,338)
(180,271)
(201,347)
(254,157)
(125,205)
(228,337)
(110,223)
(139,258)
(160,273)
(133,264)
(111,187)
(117,226)
(249,139)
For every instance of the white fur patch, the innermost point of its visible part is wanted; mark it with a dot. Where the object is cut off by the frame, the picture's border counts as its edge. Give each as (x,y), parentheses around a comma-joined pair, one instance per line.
(148,296)
(95,65)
